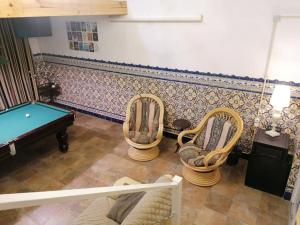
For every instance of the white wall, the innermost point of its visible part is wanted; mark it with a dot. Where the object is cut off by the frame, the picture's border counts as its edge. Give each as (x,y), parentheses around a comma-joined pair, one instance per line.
(233,38)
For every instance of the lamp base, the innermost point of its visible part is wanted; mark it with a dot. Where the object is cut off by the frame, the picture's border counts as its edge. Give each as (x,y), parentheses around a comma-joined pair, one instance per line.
(272,133)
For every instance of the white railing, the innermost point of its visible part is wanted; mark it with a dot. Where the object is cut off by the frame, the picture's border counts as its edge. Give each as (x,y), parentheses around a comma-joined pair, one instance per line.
(20,200)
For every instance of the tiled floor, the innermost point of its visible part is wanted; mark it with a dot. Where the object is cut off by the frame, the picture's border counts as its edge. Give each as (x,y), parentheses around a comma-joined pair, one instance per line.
(98,156)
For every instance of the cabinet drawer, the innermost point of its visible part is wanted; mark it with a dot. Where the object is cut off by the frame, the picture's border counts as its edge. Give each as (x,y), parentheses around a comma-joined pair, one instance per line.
(268,152)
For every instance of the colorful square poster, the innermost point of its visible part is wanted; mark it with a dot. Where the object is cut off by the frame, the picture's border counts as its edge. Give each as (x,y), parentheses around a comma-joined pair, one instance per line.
(82,36)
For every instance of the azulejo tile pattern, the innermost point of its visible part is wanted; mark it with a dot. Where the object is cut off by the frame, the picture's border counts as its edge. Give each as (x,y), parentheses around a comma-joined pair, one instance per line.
(105,88)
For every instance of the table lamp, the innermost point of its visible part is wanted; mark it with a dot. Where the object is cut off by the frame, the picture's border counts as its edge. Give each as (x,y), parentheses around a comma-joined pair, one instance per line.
(280,99)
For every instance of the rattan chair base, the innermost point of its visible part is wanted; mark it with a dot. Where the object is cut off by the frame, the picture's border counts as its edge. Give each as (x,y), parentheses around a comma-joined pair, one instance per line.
(143,155)
(200,178)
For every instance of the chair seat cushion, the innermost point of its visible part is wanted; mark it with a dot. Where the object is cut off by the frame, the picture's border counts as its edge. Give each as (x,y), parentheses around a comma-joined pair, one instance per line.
(194,155)
(142,137)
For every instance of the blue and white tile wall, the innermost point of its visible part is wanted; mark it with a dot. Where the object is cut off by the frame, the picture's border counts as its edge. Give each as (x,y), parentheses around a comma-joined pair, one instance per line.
(105,88)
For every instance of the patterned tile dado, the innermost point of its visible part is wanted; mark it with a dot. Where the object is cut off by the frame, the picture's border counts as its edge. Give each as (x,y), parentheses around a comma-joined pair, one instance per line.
(105,88)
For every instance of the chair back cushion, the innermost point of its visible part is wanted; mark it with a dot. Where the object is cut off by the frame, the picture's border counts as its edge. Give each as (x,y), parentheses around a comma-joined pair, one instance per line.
(144,120)
(154,208)
(218,132)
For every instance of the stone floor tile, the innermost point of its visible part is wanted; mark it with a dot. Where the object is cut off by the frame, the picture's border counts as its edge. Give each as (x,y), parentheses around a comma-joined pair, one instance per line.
(275,205)
(248,195)
(264,218)
(217,202)
(189,216)
(243,212)
(227,189)
(208,216)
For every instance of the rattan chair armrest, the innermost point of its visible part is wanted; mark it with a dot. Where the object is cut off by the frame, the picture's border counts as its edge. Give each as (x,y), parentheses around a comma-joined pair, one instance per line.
(182,134)
(212,154)
(126,129)
(160,132)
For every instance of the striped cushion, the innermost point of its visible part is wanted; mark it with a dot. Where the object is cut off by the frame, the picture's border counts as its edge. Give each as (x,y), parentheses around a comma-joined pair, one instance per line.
(193,155)
(218,132)
(144,121)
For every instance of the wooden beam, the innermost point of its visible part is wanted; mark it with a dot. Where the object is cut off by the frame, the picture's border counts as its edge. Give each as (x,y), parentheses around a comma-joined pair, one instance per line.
(37,8)
(195,19)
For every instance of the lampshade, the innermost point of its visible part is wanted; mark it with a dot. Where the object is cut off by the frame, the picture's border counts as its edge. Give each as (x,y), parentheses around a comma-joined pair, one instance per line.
(281,97)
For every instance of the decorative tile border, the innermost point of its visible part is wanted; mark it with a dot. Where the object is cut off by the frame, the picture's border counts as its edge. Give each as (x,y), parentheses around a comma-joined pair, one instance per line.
(242,83)
(104,88)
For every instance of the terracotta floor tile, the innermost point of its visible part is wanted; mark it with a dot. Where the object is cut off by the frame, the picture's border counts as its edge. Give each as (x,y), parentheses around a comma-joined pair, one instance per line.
(208,216)
(264,218)
(23,173)
(231,220)
(42,183)
(217,202)
(189,216)
(243,212)
(194,197)
(227,189)
(9,185)
(9,217)
(249,195)
(275,205)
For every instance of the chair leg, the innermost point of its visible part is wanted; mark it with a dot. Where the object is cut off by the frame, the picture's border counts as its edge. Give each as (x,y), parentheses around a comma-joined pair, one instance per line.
(204,179)
(143,155)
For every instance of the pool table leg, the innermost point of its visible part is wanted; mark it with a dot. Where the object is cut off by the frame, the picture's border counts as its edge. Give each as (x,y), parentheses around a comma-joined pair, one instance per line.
(62,138)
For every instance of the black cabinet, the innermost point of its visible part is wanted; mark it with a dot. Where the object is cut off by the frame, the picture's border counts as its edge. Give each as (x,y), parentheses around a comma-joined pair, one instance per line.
(269,163)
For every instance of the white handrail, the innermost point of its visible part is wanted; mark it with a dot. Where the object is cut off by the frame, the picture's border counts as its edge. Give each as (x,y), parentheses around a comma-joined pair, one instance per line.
(20,200)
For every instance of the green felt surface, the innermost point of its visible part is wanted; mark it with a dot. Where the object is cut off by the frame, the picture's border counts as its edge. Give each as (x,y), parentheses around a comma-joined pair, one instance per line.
(13,122)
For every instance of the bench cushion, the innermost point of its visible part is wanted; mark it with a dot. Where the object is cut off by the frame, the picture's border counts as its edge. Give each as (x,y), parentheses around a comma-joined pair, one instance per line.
(124,205)
(154,208)
(95,214)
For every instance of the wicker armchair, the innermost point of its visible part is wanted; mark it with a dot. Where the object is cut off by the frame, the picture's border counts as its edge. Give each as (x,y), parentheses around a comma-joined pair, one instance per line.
(143,126)
(208,149)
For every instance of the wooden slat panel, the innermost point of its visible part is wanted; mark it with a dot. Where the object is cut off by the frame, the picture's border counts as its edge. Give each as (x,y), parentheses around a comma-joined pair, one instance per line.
(33,8)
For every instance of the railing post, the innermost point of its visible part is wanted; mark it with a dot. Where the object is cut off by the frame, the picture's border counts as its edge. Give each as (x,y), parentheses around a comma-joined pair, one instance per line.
(176,201)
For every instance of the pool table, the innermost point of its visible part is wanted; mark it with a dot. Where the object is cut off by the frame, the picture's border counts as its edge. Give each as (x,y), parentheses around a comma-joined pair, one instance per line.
(27,123)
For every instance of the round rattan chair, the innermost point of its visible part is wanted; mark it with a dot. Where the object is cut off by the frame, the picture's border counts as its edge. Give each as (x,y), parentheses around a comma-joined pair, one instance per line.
(143,126)
(207,172)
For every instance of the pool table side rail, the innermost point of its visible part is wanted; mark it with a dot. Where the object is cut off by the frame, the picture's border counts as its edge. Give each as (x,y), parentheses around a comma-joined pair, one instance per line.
(14,107)
(34,102)
(53,107)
